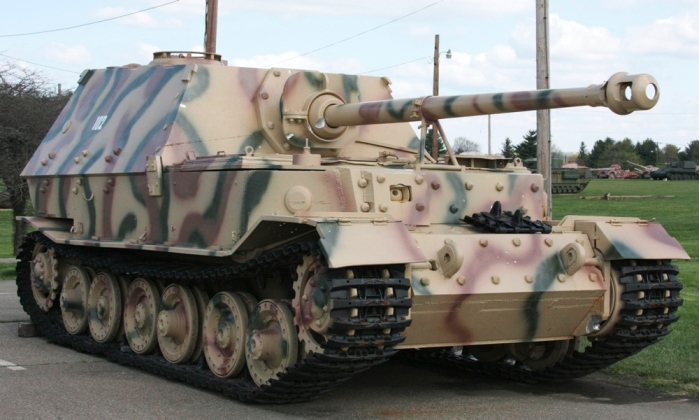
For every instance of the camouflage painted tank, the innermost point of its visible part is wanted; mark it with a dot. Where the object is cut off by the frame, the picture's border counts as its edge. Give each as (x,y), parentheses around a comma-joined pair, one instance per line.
(268,233)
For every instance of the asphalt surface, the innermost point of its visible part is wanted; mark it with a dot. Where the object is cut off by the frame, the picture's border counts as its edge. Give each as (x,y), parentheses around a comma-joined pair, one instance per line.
(42,380)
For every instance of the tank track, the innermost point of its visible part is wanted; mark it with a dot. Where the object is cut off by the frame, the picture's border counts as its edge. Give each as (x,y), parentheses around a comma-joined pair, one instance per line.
(344,355)
(643,321)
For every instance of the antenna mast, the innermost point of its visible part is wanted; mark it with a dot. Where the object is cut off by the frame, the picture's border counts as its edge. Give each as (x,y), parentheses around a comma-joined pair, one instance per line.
(210,30)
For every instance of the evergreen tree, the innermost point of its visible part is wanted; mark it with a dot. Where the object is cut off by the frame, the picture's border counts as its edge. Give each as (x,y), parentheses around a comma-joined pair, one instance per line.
(442,149)
(597,158)
(670,153)
(648,151)
(527,148)
(691,152)
(582,155)
(508,150)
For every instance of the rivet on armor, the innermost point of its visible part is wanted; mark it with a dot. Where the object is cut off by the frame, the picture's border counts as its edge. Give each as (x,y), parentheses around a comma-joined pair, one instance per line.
(117,151)
(110,181)
(74,190)
(435,185)
(561,277)
(548,242)
(108,159)
(529,278)
(362,183)
(517,242)
(79,182)
(366,207)
(380,178)
(44,162)
(106,190)
(419,179)
(535,187)
(468,185)
(43,190)
(85,152)
(276,73)
(495,279)
(264,95)
(525,211)
(46,182)
(420,206)
(483,242)
(52,155)
(461,280)
(76,160)
(383,207)
(499,186)
(425,281)
(270,125)
(453,209)
(592,277)
(287,146)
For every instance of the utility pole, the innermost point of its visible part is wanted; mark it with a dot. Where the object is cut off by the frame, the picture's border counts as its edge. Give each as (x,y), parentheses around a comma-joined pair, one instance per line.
(543,117)
(210,30)
(489,151)
(435,92)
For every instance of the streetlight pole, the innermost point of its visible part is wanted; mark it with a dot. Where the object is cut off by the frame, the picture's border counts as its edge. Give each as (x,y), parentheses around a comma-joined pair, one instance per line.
(435,92)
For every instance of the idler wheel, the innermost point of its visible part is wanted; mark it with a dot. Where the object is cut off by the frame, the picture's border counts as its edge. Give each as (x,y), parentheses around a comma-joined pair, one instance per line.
(44,272)
(74,300)
(202,299)
(271,346)
(178,324)
(140,314)
(224,329)
(540,355)
(104,308)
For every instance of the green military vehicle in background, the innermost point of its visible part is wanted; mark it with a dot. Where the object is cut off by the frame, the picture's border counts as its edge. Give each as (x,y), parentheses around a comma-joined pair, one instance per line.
(564,180)
(677,171)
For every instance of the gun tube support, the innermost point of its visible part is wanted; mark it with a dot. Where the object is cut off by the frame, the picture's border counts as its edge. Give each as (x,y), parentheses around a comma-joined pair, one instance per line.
(622,93)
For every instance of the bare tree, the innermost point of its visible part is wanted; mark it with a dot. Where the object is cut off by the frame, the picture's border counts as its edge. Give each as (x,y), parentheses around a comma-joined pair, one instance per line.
(463,145)
(28,108)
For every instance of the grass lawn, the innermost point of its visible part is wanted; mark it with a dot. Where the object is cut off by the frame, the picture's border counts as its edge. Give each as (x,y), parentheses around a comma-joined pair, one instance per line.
(672,364)
(6,234)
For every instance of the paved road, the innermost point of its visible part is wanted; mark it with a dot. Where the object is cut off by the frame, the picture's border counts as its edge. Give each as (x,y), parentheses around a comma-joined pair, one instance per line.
(48,381)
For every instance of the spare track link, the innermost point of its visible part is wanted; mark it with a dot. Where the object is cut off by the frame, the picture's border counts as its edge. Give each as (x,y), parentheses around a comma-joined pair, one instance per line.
(643,321)
(317,374)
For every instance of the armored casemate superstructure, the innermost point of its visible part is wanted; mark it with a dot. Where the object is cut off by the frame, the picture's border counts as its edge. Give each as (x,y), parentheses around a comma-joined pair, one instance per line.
(271,232)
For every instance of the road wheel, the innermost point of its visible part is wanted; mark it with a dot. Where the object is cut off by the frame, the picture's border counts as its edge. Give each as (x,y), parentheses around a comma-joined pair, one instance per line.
(178,324)
(224,330)
(74,299)
(272,343)
(140,314)
(104,307)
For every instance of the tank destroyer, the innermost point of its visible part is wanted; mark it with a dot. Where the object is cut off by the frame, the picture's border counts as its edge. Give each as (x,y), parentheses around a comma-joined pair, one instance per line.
(268,233)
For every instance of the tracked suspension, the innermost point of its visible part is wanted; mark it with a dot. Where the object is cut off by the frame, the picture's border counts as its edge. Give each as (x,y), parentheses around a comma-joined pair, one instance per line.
(650,294)
(369,312)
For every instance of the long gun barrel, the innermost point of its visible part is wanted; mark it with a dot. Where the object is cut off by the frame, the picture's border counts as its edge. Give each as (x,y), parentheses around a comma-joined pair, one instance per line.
(622,93)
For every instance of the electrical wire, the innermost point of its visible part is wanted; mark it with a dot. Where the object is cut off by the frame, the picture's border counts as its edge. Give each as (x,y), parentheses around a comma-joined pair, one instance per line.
(357,35)
(395,65)
(40,65)
(87,24)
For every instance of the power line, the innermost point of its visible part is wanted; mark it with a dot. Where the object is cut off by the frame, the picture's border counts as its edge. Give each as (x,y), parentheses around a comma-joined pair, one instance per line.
(395,65)
(87,24)
(40,65)
(359,34)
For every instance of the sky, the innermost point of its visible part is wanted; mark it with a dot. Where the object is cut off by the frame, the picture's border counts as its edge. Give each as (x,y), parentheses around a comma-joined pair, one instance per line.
(492,44)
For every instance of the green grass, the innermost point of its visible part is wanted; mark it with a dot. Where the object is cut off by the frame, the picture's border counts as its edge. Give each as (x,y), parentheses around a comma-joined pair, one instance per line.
(6,223)
(672,364)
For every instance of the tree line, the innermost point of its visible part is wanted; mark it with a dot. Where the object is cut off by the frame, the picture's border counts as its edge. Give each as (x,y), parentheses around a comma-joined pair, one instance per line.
(28,107)
(607,152)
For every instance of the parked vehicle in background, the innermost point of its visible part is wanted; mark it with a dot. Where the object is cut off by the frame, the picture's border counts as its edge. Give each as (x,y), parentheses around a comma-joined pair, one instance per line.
(643,171)
(677,171)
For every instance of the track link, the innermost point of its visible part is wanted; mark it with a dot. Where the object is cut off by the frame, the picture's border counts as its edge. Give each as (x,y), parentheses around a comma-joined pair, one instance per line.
(343,355)
(650,295)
